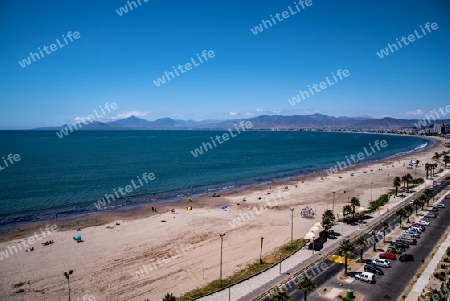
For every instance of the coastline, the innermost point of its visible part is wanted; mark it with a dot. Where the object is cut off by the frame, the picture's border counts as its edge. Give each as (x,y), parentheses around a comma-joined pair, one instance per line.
(143,209)
(184,255)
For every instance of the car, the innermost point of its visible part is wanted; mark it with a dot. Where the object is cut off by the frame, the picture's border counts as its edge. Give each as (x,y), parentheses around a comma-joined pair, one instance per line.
(430,215)
(384,263)
(394,249)
(366,276)
(387,255)
(393,244)
(424,223)
(434,209)
(411,233)
(406,257)
(408,238)
(401,244)
(447,196)
(438,184)
(439,205)
(373,269)
(415,229)
(421,227)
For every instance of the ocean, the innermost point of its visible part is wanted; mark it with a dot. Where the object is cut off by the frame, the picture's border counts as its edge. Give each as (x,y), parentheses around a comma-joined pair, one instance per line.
(67,176)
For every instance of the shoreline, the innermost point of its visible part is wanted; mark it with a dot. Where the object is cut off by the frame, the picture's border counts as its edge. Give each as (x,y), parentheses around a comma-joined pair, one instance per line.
(144,209)
(125,255)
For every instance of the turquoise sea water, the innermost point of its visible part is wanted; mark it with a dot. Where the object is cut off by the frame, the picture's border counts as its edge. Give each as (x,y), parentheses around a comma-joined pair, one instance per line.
(66,176)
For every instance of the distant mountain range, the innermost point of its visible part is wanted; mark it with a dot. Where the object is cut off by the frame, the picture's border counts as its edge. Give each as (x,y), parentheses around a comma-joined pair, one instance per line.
(315,121)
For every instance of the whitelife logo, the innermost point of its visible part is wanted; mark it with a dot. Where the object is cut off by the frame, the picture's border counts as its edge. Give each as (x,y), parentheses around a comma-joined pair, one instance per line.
(411,38)
(27,61)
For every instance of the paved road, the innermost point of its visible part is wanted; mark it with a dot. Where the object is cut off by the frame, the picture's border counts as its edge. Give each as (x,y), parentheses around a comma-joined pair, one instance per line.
(391,285)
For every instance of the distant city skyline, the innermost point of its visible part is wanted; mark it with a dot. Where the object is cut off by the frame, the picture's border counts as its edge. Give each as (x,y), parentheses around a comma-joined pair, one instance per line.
(205,60)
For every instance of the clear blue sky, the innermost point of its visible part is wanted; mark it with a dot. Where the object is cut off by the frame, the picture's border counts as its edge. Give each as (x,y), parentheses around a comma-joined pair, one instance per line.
(117,58)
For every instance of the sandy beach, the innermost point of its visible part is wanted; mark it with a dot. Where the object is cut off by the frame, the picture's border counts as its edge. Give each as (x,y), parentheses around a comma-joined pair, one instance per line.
(183,252)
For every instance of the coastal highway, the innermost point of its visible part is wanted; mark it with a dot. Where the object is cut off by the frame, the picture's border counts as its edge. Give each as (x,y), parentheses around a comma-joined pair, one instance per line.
(395,280)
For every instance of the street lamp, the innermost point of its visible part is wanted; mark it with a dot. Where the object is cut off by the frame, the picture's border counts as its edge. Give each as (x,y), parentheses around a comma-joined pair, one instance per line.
(280,262)
(333,200)
(260,254)
(229,289)
(221,247)
(292,227)
(67,274)
(388,184)
(371,191)
(313,238)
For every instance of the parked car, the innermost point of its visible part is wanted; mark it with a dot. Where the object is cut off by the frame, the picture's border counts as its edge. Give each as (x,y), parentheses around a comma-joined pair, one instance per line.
(447,196)
(415,229)
(440,205)
(406,257)
(411,233)
(424,223)
(366,276)
(382,263)
(422,227)
(373,269)
(430,215)
(397,246)
(402,244)
(434,210)
(394,249)
(387,255)
(409,239)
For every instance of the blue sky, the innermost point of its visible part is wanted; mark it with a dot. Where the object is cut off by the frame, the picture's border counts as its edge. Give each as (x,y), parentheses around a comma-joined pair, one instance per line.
(117,58)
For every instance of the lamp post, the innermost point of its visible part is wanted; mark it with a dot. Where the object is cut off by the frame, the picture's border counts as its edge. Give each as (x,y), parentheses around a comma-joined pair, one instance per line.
(229,289)
(67,274)
(292,227)
(221,247)
(371,191)
(260,253)
(388,184)
(280,262)
(333,201)
(313,238)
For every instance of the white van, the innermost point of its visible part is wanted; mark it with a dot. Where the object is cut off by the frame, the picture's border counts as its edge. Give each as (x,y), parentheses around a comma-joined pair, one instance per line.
(366,276)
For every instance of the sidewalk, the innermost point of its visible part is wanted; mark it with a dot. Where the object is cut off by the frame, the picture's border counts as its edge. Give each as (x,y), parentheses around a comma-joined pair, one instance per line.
(303,257)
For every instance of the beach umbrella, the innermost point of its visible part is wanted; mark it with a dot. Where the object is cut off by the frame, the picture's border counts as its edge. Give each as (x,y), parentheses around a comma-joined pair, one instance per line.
(319,225)
(224,207)
(310,236)
(78,237)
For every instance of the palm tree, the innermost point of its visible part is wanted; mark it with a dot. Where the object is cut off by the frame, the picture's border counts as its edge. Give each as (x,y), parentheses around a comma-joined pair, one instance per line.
(169,297)
(436,156)
(346,248)
(347,210)
(306,285)
(361,242)
(374,236)
(446,160)
(427,168)
(417,164)
(428,194)
(384,225)
(422,199)
(328,219)
(396,184)
(408,209)
(401,213)
(408,178)
(417,202)
(279,294)
(404,180)
(354,202)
